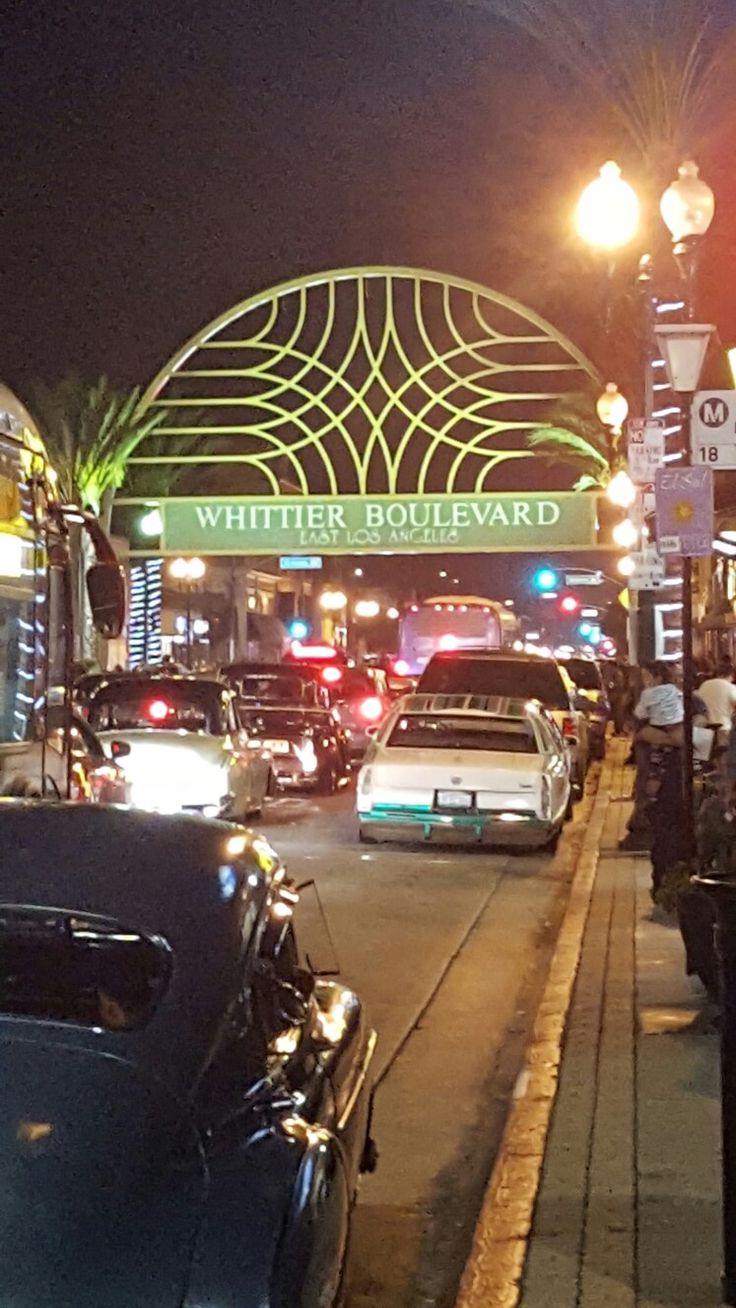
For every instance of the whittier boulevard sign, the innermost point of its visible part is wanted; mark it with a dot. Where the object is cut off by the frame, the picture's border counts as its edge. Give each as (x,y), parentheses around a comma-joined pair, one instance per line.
(406,523)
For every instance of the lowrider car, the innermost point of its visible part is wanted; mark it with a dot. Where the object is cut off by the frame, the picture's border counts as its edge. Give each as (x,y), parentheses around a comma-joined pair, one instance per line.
(186,751)
(184,1111)
(468,767)
(308,747)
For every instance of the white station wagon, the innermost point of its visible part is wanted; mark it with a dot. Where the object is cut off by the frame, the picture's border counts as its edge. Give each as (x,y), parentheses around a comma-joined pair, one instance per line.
(472,767)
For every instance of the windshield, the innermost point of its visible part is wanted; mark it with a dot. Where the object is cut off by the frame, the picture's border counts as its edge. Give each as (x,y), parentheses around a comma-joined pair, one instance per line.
(60,966)
(584,673)
(513,678)
(284,721)
(445,731)
(158,704)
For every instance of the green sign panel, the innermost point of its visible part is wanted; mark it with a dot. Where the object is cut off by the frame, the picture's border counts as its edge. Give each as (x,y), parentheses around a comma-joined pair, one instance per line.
(421,524)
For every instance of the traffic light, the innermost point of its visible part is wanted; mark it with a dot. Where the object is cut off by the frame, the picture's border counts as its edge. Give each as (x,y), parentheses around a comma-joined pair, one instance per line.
(299,628)
(569,605)
(546,578)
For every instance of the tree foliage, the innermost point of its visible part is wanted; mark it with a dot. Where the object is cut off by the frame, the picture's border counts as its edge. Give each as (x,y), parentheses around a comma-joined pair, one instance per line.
(90,432)
(575,438)
(657,65)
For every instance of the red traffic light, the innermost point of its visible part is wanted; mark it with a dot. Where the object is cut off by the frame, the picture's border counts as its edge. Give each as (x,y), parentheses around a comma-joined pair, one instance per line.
(569,604)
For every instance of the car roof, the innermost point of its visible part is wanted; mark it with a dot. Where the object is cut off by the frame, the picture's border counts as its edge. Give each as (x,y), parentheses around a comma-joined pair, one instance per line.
(492,706)
(492,655)
(156,874)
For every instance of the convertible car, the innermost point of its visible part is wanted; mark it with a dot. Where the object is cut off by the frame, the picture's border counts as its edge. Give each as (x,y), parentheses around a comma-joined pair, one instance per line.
(185,1111)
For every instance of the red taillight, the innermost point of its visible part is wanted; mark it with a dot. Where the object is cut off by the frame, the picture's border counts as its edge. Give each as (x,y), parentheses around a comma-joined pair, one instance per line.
(158,710)
(371,708)
(401,668)
(569,725)
(331,675)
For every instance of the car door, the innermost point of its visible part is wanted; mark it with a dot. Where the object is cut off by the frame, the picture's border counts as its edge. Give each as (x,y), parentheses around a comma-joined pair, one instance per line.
(556,767)
(250,767)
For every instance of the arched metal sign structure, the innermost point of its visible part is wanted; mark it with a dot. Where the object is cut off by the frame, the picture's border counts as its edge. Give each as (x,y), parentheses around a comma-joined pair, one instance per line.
(363,383)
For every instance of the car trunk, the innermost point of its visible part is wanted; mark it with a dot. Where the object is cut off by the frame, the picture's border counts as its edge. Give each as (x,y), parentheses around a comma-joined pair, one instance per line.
(414,777)
(172,770)
(103,1183)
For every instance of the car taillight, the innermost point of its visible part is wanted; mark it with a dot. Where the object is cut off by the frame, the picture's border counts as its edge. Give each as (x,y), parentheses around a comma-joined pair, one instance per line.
(401,668)
(331,675)
(569,726)
(158,710)
(371,709)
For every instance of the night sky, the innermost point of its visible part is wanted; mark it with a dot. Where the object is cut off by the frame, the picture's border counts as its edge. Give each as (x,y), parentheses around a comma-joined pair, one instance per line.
(165,158)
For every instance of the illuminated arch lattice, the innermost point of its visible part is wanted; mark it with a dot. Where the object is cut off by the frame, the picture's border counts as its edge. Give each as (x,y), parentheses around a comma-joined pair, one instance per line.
(366,380)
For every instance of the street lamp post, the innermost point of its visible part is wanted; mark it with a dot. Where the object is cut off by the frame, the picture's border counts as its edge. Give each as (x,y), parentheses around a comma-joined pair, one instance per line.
(188,572)
(684,346)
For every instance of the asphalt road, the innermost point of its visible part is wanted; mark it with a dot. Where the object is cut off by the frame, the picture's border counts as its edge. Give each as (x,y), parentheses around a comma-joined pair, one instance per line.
(448,948)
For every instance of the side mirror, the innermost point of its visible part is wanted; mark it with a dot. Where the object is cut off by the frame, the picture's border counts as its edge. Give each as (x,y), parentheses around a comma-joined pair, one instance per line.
(119,749)
(106,591)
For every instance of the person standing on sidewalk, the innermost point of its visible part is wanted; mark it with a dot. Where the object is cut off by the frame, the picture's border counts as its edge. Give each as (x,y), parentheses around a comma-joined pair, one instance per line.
(660,712)
(718,694)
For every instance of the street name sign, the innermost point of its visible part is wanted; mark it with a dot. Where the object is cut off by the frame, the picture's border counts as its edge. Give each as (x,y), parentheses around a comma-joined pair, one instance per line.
(416,524)
(300,562)
(583,578)
(684,498)
(714,429)
(645,450)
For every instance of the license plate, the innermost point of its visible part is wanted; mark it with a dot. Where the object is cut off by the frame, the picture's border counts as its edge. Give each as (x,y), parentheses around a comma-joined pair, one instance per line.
(454,799)
(277,746)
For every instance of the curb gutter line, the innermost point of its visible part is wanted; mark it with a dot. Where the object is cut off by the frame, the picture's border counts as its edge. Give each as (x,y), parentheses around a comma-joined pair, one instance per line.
(494,1270)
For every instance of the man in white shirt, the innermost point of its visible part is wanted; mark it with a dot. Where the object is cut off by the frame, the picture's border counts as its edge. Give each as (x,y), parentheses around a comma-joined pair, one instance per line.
(718,694)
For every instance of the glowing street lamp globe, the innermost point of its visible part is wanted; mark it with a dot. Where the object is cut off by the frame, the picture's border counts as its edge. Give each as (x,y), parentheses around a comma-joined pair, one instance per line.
(607,216)
(688,205)
(612,407)
(625,534)
(621,490)
(626,566)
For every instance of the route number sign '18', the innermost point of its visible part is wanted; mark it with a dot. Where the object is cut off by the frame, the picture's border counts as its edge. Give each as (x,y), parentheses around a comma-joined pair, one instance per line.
(714,429)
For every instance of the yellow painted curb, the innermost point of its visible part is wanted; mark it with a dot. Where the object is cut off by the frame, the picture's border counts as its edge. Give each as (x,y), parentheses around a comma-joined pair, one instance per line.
(494,1270)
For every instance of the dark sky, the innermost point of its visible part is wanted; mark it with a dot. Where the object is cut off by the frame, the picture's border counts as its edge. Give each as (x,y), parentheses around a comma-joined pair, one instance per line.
(163,159)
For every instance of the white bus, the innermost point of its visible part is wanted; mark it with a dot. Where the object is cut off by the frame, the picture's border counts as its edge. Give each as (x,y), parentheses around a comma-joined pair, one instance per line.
(447,622)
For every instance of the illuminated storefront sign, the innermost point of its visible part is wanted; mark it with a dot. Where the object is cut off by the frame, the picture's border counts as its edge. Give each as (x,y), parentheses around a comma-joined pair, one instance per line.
(505,522)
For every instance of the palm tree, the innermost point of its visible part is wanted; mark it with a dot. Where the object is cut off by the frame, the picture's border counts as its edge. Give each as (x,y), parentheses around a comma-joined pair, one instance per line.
(657,65)
(574,437)
(91,431)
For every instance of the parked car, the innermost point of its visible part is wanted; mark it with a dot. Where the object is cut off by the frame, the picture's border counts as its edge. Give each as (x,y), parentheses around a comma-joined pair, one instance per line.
(592,699)
(482,768)
(186,749)
(308,747)
(515,676)
(45,765)
(185,1111)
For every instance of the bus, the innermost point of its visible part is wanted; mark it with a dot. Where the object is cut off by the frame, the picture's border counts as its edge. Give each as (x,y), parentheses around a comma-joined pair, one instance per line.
(37,586)
(447,622)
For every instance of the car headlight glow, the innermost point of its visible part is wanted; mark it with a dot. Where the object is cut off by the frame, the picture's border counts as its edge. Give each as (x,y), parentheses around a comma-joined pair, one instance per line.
(307,756)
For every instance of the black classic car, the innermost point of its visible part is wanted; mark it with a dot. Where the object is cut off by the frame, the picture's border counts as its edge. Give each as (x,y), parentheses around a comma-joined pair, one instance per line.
(185,1111)
(309,748)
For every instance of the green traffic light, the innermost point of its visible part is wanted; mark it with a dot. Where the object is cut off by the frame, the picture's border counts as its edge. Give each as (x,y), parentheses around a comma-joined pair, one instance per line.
(546,579)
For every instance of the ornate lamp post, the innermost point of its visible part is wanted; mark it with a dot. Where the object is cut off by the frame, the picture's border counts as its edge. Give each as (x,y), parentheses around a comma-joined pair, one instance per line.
(187,573)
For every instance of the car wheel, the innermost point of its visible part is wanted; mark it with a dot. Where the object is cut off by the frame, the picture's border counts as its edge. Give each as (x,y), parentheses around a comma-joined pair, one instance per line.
(553,842)
(327,783)
(570,810)
(273,785)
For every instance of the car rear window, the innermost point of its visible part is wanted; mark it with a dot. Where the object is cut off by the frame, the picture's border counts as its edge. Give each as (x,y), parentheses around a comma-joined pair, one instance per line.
(286,690)
(511,678)
(165,705)
(585,674)
(446,731)
(62,966)
(268,721)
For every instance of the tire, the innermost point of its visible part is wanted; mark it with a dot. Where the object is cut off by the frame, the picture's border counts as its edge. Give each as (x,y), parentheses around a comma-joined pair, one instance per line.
(273,785)
(551,845)
(327,783)
(570,810)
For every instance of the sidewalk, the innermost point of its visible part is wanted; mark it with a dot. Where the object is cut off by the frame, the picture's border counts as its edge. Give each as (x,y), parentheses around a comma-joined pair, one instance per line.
(627,1212)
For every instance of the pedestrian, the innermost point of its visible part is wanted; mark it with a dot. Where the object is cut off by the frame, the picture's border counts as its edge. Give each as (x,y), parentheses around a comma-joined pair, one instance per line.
(666,811)
(660,709)
(718,694)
